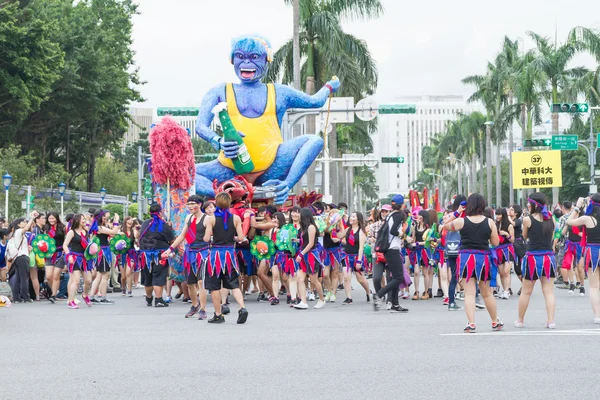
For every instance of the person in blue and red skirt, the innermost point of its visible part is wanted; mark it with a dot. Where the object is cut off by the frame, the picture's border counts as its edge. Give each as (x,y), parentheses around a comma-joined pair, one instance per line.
(333,257)
(195,255)
(101,227)
(505,252)
(74,246)
(591,221)
(155,238)
(129,262)
(308,259)
(475,257)
(538,263)
(353,257)
(55,264)
(222,269)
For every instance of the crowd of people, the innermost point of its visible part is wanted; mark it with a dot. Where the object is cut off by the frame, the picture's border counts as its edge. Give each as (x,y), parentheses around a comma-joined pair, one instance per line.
(469,248)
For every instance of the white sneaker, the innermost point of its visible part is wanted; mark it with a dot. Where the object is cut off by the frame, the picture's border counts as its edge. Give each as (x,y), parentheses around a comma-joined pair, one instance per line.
(388,306)
(301,306)
(328,296)
(320,304)
(332,298)
(597,320)
(311,296)
(550,325)
(519,324)
(479,306)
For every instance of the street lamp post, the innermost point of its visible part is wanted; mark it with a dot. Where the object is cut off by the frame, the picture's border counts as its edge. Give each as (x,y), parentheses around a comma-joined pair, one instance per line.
(134,197)
(7,180)
(61,189)
(102,195)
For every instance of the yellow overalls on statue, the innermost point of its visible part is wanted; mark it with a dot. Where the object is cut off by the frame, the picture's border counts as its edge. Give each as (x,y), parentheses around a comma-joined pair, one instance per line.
(263,135)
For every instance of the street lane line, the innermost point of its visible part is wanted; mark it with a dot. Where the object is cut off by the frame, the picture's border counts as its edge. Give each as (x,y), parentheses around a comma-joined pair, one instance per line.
(548,332)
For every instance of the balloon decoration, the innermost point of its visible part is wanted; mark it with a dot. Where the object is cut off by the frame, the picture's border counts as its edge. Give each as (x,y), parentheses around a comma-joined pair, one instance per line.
(262,247)
(120,244)
(44,246)
(92,249)
(334,219)
(285,234)
(321,223)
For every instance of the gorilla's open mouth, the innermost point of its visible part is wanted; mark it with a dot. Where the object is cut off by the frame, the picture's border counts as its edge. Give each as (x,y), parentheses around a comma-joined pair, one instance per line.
(247,73)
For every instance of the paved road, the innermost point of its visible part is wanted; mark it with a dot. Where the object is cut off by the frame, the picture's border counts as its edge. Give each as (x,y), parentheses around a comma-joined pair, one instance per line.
(130,351)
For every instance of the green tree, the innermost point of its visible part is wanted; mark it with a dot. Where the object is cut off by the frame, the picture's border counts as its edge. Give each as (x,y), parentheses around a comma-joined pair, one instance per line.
(326,51)
(114,178)
(30,63)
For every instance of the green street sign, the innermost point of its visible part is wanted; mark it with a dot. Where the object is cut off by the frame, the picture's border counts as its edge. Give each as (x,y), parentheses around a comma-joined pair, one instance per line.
(397,109)
(537,142)
(570,107)
(598,139)
(565,142)
(178,111)
(392,160)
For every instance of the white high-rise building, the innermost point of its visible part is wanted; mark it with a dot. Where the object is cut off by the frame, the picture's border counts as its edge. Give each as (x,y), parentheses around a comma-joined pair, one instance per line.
(141,119)
(404,135)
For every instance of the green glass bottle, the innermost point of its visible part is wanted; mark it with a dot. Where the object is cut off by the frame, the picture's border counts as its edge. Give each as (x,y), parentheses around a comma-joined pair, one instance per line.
(242,163)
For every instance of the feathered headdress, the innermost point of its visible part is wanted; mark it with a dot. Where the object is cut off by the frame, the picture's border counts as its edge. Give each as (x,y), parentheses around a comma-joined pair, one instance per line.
(306,199)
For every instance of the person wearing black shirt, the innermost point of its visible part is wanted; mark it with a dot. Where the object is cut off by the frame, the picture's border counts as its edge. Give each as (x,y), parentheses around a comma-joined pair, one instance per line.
(195,255)
(538,263)
(155,239)
(222,270)
(54,265)
(474,260)
(100,228)
(591,220)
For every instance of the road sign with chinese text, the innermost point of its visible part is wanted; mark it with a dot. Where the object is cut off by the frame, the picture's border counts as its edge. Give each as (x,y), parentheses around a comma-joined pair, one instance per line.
(565,142)
(536,169)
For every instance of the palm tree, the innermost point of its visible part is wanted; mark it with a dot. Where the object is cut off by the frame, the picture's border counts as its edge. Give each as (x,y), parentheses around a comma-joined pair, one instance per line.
(327,50)
(296,44)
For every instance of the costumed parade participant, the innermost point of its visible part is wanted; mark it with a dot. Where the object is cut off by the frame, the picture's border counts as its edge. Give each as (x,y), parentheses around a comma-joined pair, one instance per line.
(155,238)
(591,222)
(265,228)
(195,255)
(353,258)
(538,263)
(308,259)
(129,261)
(515,214)
(475,257)
(104,260)
(55,264)
(573,260)
(75,248)
(251,113)
(505,252)
(222,269)
(452,249)
(389,244)
(333,254)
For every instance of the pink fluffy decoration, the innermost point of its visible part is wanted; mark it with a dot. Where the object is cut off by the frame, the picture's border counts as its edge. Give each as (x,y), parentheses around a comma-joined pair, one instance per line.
(172,154)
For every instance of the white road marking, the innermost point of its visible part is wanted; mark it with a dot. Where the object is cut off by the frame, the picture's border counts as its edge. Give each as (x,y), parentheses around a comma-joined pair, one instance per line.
(547,332)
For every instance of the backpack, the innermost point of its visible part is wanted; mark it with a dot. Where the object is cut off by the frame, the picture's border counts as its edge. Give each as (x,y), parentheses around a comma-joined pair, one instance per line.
(452,243)
(382,243)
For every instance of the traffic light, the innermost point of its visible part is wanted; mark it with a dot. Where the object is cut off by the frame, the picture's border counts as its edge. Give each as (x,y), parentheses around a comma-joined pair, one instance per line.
(392,160)
(537,142)
(570,107)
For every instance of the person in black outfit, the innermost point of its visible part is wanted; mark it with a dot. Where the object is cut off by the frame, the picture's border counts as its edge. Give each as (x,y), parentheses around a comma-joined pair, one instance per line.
(55,264)
(538,263)
(155,238)
(195,255)
(451,254)
(392,257)
(225,229)
(591,220)
(474,260)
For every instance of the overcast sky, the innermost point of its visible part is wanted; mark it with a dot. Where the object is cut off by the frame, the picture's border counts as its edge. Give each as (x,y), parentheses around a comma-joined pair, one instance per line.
(421,47)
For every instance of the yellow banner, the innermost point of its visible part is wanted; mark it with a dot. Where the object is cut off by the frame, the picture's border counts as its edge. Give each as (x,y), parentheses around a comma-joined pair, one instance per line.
(536,169)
